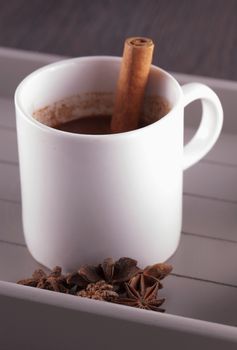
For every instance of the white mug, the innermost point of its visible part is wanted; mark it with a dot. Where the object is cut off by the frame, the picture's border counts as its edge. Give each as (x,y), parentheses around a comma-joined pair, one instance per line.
(87,197)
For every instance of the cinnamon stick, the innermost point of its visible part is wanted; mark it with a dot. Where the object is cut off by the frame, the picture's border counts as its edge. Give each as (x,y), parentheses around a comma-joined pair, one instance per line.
(134,71)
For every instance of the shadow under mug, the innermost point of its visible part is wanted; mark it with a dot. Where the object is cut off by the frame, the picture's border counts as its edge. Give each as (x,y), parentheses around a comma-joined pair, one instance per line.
(88,197)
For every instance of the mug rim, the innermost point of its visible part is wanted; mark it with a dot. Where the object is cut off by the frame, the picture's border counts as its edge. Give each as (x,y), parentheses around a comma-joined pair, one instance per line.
(52,66)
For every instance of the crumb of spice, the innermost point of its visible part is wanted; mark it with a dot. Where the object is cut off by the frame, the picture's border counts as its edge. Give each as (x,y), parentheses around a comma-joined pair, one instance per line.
(99,291)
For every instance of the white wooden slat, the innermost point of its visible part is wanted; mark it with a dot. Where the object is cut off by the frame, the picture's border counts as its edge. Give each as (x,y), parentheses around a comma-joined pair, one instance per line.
(11,224)
(200,300)
(210,218)
(225,90)
(8,146)
(211,180)
(16,65)
(224,151)
(7,112)
(15,262)
(207,259)
(9,182)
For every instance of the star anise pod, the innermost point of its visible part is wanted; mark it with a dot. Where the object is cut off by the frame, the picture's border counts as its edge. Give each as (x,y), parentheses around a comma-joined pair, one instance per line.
(76,282)
(149,276)
(113,272)
(146,299)
(55,281)
(99,291)
(141,283)
(158,271)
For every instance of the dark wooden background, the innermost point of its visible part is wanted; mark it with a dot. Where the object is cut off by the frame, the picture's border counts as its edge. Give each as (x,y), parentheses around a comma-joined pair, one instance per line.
(191,36)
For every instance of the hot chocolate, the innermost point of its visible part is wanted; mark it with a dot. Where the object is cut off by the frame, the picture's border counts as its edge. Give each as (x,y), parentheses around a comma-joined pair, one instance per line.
(94,125)
(93,115)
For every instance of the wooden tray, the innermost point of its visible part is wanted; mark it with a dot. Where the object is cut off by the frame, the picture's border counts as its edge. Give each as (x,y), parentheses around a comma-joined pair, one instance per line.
(202,291)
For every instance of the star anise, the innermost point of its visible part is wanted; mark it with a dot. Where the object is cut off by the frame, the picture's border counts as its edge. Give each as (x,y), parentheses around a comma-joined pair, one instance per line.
(142,289)
(113,272)
(55,281)
(158,271)
(145,299)
(99,291)
(76,281)
(151,274)
(141,283)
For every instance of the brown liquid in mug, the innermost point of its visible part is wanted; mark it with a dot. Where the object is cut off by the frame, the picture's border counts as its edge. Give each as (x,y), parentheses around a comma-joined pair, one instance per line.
(93,125)
(60,114)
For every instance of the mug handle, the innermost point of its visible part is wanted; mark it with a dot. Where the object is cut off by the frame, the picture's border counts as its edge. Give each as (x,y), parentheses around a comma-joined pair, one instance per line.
(210,125)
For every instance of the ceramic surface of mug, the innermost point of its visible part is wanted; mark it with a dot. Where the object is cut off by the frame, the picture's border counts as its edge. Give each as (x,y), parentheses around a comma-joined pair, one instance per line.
(87,197)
